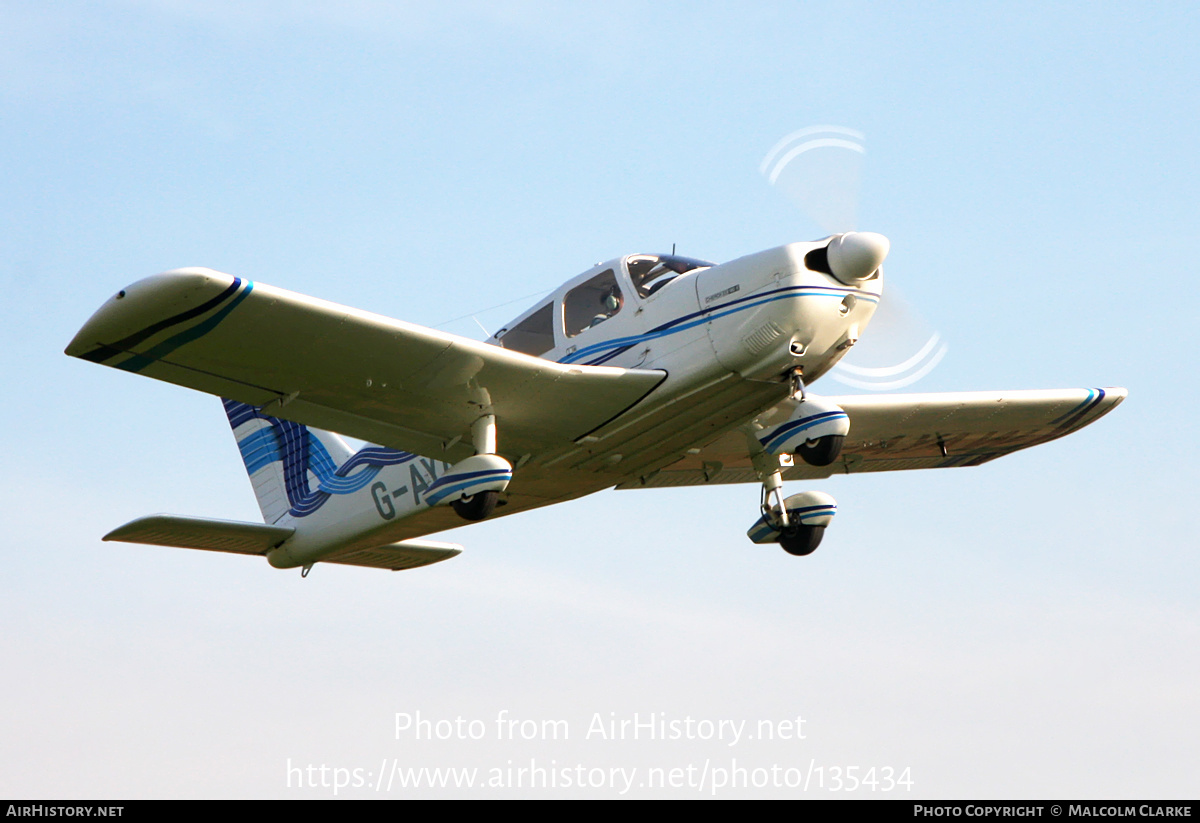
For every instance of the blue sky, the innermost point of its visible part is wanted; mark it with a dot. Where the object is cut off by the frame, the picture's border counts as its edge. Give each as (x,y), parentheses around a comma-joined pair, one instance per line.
(1026,628)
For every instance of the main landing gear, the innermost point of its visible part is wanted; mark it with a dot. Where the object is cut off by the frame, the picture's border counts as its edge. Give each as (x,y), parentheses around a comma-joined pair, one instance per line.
(821,451)
(800,540)
(472,486)
(813,431)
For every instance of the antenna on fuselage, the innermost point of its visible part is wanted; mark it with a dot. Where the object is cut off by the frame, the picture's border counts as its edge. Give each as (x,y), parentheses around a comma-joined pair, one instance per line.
(672,249)
(542,293)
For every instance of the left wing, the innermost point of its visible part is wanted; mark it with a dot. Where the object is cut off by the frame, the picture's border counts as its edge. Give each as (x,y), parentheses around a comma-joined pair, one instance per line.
(350,371)
(908,431)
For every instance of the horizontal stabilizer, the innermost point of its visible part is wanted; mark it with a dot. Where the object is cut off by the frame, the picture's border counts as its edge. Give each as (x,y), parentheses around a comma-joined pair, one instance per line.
(406,554)
(236,537)
(200,533)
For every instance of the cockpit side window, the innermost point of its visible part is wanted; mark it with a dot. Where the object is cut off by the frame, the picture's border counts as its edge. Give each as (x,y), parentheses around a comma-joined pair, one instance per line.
(533,335)
(651,272)
(591,303)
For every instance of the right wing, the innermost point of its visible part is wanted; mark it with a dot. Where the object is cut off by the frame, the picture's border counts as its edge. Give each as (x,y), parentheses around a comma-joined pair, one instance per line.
(349,371)
(907,431)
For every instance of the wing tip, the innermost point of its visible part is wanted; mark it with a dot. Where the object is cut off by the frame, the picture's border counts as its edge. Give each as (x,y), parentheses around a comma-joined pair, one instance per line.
(140,304)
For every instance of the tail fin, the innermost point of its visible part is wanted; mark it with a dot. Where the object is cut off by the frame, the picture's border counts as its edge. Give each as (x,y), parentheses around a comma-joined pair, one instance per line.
(295,470)
(280,454)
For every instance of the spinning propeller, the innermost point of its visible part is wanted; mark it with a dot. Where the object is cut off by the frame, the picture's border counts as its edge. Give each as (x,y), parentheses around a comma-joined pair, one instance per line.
(819,168)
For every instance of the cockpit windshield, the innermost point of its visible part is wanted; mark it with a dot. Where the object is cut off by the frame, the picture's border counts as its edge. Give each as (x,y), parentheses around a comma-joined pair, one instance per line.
(650,272)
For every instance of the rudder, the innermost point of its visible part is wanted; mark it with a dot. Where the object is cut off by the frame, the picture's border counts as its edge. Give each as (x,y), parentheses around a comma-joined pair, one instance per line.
(280,455)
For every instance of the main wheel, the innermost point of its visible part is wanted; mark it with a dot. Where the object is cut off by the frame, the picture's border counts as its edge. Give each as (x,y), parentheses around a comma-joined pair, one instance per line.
(477,506)
(822,451)
(800,540)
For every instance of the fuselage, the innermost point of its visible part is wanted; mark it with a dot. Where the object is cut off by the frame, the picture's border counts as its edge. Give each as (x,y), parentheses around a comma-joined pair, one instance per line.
(727,336)
(758,317)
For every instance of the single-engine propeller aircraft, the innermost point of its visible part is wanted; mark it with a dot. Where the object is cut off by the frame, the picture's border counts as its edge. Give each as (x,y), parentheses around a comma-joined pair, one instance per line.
(647,371)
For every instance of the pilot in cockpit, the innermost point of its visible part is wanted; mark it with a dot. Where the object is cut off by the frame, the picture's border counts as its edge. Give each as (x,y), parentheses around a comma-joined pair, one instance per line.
(611,303)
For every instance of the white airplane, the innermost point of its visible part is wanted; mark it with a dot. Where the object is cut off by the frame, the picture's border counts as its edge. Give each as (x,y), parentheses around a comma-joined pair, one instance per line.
(643,372)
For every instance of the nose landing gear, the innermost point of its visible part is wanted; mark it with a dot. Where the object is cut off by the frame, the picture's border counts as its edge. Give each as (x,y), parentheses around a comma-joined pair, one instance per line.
(797,527)
(797,523)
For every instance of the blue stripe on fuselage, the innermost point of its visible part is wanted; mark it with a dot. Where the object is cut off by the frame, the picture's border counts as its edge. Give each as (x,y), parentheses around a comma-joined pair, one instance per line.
(616,345)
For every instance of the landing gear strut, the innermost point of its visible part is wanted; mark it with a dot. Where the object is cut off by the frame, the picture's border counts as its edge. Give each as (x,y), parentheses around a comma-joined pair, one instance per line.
(767,467)
(472,486)
(479,505)
(796,381)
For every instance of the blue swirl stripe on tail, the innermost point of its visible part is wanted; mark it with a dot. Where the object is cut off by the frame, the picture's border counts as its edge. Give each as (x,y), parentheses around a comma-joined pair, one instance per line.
(303,458)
